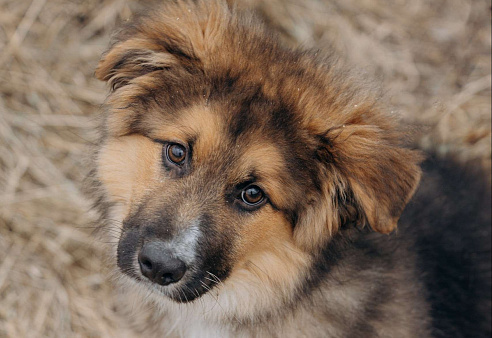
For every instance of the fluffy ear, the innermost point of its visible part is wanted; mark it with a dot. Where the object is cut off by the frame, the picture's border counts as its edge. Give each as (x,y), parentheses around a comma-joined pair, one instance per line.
(156,43)
(130,59)
(144,53)
(381,175)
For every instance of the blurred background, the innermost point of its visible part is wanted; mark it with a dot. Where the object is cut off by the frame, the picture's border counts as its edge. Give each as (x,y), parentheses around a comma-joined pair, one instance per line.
(432,59)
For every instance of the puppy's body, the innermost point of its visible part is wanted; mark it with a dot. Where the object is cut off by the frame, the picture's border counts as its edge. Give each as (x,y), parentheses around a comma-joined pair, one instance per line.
(243,179)
(449,221)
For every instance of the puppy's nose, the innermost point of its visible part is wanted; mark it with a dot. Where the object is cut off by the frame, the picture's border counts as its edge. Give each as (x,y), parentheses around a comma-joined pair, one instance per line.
(158,265)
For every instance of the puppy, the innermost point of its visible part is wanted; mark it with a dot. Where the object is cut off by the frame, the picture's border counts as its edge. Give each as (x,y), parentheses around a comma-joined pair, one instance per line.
(251,189)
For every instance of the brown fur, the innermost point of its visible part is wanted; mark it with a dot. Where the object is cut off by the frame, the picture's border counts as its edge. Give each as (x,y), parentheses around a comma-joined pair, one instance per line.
(327,154)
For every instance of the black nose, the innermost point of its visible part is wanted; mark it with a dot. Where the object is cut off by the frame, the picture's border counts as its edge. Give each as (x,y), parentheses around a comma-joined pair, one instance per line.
(158,264)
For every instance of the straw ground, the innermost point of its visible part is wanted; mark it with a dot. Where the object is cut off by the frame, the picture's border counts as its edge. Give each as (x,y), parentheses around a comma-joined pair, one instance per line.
(431,57)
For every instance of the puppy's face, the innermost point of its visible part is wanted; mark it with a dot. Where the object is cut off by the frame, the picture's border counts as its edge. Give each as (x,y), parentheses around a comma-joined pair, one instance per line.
(200,196)
(230,161)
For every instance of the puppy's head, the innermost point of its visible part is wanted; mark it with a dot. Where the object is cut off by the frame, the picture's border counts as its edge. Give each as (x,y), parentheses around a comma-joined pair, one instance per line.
(230,161)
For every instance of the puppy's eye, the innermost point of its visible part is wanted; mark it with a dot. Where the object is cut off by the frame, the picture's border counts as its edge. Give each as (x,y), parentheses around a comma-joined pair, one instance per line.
(252,195)
(176,153)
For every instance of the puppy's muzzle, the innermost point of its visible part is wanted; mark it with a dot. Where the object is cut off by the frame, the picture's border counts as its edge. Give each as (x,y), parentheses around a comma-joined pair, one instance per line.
(158,264)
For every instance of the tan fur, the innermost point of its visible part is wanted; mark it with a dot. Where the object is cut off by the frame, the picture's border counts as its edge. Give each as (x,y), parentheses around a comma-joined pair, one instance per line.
(359,174)
(127,184)
(203,122)
(382,176)
(265,158)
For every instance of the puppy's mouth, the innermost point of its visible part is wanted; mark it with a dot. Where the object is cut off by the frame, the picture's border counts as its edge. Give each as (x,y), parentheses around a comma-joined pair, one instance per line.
(191,287)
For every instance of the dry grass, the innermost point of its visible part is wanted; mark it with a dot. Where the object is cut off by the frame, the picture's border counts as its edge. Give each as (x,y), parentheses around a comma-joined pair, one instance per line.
(432,57)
